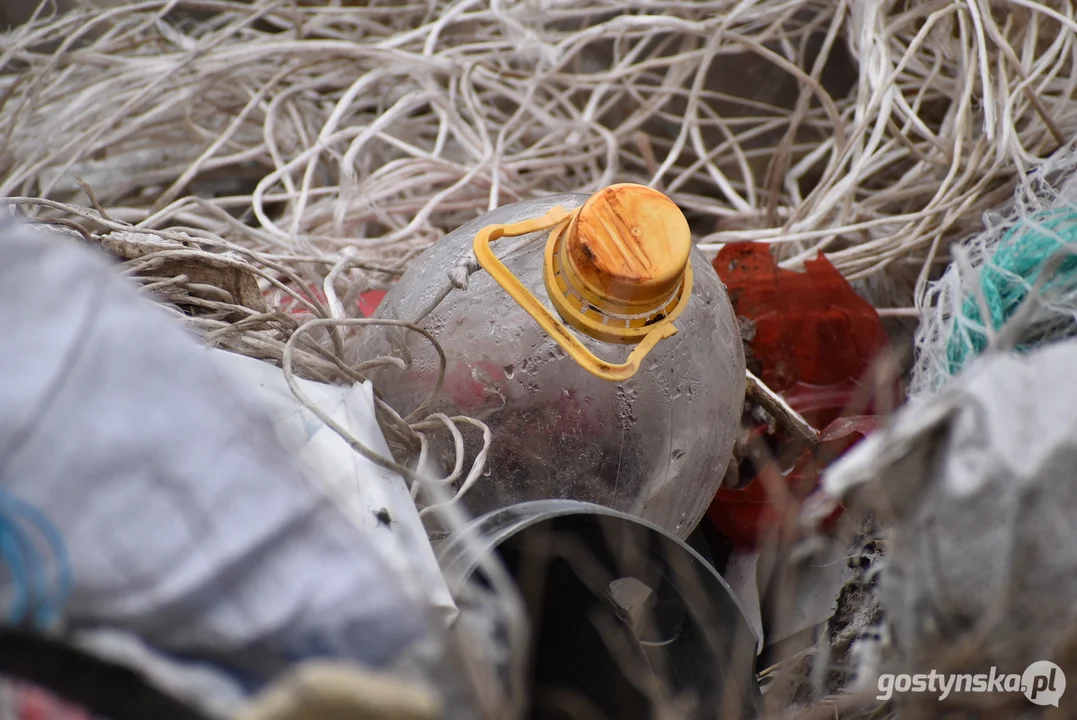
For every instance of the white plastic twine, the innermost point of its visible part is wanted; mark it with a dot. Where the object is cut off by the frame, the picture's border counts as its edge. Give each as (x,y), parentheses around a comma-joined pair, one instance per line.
(324,146)
(384,126)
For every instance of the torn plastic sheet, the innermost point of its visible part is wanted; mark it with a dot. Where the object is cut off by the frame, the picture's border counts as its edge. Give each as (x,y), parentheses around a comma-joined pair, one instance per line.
(375,499)
(185,520)
(977,486)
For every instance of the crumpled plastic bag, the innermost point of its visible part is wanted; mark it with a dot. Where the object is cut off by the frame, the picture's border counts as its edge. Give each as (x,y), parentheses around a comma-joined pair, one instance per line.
(376,500)
(185,521)
(978,487)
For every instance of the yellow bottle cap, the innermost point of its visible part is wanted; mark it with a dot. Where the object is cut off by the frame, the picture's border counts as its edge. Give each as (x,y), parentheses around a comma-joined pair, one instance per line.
(626,249)
(621,264)
(616,269)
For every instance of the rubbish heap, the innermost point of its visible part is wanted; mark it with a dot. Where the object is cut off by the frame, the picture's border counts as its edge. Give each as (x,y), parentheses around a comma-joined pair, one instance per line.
(502,360)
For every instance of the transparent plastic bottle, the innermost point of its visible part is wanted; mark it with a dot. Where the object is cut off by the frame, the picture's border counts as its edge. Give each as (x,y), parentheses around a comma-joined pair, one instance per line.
(613,373)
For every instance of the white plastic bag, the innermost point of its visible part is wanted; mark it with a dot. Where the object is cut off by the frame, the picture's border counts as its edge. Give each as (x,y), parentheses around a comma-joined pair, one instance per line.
(376,500)
(185,520)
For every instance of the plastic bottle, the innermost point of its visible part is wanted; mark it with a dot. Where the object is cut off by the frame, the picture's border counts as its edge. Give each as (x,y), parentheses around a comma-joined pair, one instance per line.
(598,345)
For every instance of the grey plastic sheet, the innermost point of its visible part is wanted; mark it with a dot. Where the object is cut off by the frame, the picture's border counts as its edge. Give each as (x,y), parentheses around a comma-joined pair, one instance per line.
(978,485)
(184,519)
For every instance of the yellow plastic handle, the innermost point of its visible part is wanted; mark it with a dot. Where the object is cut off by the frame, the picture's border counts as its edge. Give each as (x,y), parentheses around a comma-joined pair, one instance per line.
(553,327)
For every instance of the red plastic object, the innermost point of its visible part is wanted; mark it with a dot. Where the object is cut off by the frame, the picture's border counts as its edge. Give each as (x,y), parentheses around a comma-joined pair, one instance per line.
(29,702)
(810,337)
(742,515)
(367,302)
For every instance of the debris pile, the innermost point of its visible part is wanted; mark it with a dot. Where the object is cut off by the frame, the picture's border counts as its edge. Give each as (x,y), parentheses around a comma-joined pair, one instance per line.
(867,234)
